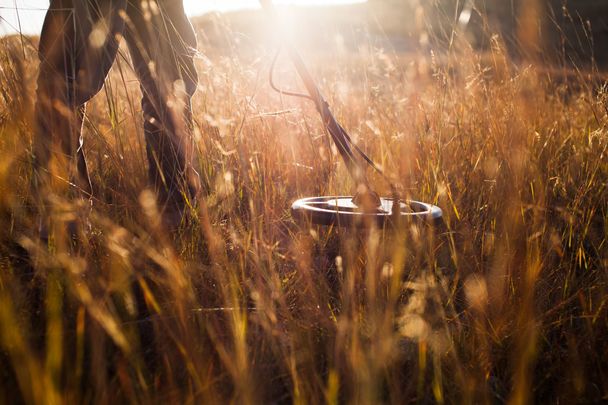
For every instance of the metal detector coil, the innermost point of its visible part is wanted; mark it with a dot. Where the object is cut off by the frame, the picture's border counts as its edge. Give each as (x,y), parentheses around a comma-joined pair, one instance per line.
(341,211)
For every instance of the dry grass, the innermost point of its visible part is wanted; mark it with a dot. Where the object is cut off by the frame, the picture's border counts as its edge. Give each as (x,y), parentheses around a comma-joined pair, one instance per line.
(508,301)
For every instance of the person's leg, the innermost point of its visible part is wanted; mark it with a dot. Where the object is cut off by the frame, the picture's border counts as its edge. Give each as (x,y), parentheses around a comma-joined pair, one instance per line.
(55,122)
(162,44)
(78,44)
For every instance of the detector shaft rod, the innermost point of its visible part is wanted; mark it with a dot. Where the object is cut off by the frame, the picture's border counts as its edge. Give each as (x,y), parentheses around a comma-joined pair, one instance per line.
(336,131)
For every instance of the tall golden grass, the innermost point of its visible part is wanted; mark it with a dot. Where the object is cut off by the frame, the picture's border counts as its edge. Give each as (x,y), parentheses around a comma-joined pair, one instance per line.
(507,301)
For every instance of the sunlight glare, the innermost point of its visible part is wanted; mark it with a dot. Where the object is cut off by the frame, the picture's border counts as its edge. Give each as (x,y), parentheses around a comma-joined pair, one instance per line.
(27,15)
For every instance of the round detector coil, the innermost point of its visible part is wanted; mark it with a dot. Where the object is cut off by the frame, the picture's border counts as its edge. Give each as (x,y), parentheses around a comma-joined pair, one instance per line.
(341,211)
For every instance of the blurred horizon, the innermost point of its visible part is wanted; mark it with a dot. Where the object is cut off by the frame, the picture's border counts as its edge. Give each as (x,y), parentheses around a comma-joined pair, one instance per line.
(556,33)
(27,16)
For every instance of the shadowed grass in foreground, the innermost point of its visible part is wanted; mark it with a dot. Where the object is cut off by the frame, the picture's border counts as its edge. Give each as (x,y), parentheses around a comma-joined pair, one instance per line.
(507,301)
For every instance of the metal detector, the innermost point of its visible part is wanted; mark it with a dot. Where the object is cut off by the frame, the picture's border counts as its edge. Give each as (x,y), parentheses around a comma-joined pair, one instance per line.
(365,208)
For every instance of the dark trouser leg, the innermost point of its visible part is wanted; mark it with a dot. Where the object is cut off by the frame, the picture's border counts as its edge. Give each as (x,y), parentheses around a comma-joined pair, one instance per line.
(78,45)
(162,45)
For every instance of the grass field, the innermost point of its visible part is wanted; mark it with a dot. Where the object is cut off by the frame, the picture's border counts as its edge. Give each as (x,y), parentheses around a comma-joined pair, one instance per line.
(507,301)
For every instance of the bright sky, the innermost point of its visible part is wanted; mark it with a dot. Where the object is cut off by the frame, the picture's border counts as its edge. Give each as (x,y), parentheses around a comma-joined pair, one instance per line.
(31,12)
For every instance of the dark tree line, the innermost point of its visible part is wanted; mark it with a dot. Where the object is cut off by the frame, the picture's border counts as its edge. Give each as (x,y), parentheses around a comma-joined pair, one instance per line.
(556,31)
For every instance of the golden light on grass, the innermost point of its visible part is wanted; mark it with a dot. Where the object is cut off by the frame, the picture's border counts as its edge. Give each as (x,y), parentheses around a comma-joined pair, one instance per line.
(505,301)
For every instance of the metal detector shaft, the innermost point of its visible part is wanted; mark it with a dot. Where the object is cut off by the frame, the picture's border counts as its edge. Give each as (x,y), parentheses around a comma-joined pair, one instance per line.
(337,132)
